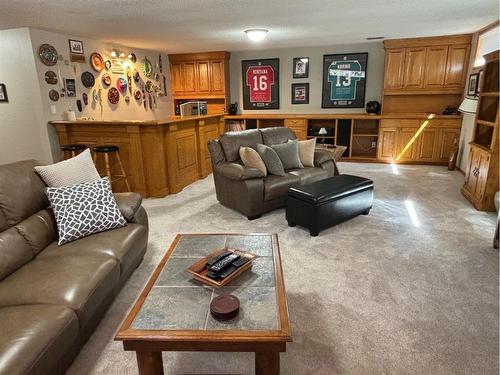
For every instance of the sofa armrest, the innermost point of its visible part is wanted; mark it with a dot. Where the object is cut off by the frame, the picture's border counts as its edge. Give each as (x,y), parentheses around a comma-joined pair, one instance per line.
(239,172)
(322,157)
(128,203)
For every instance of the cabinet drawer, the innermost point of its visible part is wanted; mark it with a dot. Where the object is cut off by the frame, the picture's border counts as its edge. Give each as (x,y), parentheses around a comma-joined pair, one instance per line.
(445,123)
(295,122)
(399,123)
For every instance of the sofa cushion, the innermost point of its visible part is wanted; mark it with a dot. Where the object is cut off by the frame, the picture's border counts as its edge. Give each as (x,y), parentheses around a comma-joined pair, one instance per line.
(35,337)
(288,154)
(39,230)
(82,282)
(309,175)
(76,170)
(271,160)
(125,245)
(84,209)
(252,159)
(22,192)
(277,186)
(14,252)
(306,152)
(274,136)
(232,141)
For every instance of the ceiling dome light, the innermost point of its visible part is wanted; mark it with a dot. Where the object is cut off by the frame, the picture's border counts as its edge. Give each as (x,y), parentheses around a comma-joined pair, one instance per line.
(256,35)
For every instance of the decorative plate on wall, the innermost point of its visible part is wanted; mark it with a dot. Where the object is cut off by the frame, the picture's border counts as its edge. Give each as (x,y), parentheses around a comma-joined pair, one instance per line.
(54,95)
(137,95)
(88,79)
(137,76)
(85,98)
(48,54)
(147,67)
(149,86)
(113,95)
(96,62)
(121,85)
(106,79)
(107,64)
(133,57)
(51,77)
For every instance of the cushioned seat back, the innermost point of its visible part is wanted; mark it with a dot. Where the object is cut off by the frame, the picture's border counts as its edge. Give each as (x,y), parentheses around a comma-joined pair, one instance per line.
(232,141)
(274,136)
(26,225)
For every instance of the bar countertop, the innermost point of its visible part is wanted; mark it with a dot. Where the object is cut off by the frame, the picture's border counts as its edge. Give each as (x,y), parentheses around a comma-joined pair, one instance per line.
(162,121)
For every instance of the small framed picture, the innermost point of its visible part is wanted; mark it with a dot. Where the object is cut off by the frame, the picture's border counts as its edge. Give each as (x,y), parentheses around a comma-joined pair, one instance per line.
(3,93)
(70,86)
(301,67)
(300,93)
(76,46)
(472,88)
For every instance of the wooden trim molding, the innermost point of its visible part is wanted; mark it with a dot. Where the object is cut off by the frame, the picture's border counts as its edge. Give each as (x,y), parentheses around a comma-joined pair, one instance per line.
(428,41)
(218,55)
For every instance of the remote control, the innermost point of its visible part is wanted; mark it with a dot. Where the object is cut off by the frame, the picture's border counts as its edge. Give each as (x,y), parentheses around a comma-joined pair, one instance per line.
(238,263)
(223,263)
(214,260)
(213,275)
(228,271)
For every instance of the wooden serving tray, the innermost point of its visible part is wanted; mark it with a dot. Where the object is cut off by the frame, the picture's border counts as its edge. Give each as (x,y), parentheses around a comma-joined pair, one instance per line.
(199,269)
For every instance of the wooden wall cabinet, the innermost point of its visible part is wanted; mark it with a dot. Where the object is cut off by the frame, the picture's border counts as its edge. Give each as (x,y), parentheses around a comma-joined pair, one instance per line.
(435,67)
(299,126)
(414,67)
(394,68)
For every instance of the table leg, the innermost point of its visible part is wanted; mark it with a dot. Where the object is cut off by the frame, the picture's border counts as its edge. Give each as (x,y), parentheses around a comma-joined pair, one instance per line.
(267,363)
(149,363)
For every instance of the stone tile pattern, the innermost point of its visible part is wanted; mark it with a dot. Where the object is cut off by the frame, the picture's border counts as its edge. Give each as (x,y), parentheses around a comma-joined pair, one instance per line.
(177,301)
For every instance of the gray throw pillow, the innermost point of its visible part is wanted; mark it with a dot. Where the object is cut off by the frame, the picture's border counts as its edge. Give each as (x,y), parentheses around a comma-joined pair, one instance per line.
(271,160)
(84,209)
(289,154)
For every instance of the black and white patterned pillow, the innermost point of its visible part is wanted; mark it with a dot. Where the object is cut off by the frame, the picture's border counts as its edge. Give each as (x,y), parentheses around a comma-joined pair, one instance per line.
(84,209)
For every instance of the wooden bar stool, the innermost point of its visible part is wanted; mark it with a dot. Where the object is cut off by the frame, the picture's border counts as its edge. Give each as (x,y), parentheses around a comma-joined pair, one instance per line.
(73,149)
(108,150)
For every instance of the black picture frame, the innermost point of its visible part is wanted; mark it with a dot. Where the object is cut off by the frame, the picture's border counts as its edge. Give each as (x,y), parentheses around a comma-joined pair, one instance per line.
(344,80)
(76,46)
(70,87)
(261,83)
(300,93)
(4,98)
(472,87)
(300,67)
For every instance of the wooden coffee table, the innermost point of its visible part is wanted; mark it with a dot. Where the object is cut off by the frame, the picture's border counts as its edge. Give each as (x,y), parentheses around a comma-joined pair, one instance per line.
(173,311)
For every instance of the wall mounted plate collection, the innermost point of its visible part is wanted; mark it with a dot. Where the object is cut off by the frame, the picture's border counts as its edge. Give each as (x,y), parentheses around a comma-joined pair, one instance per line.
(106,80)
(54,95)
(88,79)
(51,77)
(113,95)
(96,62)
(121,85)
(48,54)
(147,67)
(107,64)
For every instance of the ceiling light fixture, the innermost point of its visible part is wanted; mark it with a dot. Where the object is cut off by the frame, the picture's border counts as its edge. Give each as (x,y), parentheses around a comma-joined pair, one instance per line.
(256,35)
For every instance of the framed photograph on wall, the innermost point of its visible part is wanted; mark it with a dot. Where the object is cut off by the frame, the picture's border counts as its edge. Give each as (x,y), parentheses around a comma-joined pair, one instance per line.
(70,87)
(76,46)
(301,67)
(472,87)
(344,80)
(261,83)
(300,93)
(3,93)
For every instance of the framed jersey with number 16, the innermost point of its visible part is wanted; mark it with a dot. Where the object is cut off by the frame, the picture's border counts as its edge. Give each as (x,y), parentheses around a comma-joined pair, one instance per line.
(344,80)
(261,83)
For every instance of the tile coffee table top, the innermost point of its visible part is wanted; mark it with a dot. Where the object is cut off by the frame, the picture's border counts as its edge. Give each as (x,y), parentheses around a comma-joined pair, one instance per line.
(178,302)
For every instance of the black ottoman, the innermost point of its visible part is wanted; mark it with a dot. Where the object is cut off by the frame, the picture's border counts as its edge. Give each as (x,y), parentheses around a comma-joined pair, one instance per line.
(328,202)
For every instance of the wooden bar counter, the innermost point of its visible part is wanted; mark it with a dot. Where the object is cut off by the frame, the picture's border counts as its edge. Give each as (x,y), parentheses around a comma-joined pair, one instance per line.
(160,157)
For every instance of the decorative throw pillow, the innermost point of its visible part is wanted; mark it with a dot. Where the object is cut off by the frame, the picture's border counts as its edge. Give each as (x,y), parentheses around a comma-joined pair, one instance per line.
(306,152)
(271,159)
(251,158)
(73,171)
(288,154)
(84,209)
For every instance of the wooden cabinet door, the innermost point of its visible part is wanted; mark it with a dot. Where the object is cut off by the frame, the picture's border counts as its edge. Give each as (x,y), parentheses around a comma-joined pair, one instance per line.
(203,76)
(177,78)
(387,143)
(189,76)
(482,174)
(394,68)
(456,67)
(414,68)
(299,127)
(471,176)
(435,66)
(407,144)
(427,143)
(446,143)
(217,77)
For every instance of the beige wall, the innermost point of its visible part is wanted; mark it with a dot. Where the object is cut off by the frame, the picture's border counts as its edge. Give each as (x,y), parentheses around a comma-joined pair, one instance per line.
(374,78)
(22,133)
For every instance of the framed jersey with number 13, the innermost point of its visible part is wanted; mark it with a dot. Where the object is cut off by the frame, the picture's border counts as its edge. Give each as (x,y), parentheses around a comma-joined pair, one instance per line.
(261,83)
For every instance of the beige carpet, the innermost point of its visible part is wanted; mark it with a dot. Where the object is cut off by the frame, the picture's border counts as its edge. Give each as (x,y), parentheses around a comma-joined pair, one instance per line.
(388,293)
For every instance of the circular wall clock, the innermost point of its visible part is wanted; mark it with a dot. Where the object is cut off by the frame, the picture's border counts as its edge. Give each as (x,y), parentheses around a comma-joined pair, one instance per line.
(54,95)
(113,95)
(51,77)
(106,79)
(88,79)
(121,85)
(147,67)
(48,54)
(96,62)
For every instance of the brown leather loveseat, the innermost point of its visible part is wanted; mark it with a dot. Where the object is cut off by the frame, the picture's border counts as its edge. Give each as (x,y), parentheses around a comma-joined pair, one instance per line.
(239,187)
(52,297)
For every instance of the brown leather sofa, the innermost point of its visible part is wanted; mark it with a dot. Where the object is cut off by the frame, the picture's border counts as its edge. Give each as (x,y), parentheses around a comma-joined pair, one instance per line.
(240,187)
(52,297)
